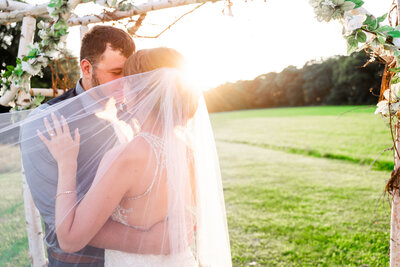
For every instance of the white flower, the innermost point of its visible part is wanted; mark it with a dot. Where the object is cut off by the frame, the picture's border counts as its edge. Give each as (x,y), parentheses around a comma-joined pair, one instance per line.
(395,93)
(382,108)
(354,19)
(328,3)
(43,25)
(42,59)
(394,107)
(32,70)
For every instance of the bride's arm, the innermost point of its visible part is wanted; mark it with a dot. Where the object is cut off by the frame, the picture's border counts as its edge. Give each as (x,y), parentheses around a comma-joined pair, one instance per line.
(77,224)
(116,236)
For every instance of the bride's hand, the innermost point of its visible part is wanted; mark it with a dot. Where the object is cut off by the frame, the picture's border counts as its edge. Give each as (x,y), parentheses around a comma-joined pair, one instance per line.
(61,144)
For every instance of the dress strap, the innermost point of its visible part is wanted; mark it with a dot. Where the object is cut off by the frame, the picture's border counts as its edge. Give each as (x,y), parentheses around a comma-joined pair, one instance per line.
(157,145)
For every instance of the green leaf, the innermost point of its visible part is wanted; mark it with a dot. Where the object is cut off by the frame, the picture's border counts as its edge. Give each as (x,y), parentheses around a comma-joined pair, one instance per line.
(385,28)
(394,34)
(382,18)
(10,67)
(361,37)
(32,54)
(381,38)
(395,70)
(352,45)
(358,3)
(18,70)
(39,99)
(395,79)
(368,20)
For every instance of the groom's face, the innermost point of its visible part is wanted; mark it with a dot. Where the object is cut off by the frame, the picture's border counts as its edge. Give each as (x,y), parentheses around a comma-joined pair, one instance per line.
(107,68)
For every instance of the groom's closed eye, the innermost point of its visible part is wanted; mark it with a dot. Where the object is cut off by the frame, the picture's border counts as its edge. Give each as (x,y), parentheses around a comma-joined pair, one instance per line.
(117,72)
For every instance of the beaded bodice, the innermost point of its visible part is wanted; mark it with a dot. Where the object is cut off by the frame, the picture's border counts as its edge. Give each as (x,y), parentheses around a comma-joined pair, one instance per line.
(121,214)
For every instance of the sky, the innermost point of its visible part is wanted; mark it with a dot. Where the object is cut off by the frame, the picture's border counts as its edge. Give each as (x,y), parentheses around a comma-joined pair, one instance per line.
(260,37)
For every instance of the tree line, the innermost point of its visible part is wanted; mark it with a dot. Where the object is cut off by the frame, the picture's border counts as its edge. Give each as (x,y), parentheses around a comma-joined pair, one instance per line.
(339,80)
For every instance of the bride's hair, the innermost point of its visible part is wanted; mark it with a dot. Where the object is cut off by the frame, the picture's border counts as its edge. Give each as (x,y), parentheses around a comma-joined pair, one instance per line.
(162,57)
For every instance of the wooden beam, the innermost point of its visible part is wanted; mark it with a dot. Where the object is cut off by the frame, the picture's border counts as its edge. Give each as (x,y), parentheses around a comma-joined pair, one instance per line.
(12,5)
(30,10)
(138,10)
(41,10)
(46,92)
(18,15)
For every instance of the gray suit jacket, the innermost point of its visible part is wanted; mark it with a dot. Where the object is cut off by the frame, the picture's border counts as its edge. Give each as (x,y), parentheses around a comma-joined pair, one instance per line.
(41,168)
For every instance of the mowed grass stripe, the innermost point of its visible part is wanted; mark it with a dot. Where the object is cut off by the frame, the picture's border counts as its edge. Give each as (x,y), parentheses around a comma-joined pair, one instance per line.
(377,164)
(348,133)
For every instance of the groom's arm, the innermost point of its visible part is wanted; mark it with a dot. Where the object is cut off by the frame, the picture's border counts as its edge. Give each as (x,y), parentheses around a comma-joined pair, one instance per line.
(116,236)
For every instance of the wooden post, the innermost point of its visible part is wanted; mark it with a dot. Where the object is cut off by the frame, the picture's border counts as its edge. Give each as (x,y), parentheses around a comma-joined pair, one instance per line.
(27,34)
(34,227)
(33,223)
(395,216)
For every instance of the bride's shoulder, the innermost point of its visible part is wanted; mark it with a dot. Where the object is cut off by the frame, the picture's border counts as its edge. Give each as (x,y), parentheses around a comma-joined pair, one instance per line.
(137,149)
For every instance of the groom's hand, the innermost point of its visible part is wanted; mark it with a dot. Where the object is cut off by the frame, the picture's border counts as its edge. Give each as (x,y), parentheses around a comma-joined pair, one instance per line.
(116,236)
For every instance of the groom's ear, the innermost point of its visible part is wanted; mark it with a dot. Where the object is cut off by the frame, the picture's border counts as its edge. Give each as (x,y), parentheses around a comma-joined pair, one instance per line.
(86,68)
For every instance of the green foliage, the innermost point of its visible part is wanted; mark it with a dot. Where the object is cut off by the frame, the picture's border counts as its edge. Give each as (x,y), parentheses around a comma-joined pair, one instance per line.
(338,80)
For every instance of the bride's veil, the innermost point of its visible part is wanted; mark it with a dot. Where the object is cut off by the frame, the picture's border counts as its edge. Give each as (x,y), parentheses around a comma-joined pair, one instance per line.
(156,111)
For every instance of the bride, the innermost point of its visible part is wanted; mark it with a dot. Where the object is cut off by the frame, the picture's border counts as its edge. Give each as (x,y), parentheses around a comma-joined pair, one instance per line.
(164,168)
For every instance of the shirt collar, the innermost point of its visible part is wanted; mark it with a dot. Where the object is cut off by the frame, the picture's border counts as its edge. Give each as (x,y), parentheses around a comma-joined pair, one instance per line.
(86,100)
(79,89)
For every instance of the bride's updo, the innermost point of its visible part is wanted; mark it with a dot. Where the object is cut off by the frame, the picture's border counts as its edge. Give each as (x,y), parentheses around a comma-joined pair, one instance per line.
(162,57)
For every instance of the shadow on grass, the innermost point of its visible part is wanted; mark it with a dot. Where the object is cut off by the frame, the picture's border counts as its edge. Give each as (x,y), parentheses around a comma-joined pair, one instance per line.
(381,165)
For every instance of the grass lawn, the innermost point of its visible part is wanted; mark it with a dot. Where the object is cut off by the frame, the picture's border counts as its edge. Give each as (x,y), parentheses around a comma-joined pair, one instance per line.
(297,188)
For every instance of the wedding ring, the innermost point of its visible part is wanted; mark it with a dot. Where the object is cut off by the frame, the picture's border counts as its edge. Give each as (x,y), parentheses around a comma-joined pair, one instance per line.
(52,134)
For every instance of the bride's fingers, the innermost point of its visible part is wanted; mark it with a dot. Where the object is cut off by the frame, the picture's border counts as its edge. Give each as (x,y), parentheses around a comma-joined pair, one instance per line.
(56,123)
(77,136)
(43,138)
(64,124)
(49,129)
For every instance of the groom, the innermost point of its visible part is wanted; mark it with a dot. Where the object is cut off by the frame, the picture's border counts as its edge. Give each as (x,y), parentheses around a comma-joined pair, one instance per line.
(104,50)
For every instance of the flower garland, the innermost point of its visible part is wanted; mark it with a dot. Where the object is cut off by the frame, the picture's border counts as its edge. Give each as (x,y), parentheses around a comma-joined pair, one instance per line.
(53,36)
(364,31)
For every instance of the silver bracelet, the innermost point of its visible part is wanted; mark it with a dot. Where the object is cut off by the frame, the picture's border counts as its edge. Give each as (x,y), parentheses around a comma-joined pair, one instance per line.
(64,193)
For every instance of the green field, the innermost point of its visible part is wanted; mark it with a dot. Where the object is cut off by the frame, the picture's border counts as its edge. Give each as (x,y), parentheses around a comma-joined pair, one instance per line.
(297,186)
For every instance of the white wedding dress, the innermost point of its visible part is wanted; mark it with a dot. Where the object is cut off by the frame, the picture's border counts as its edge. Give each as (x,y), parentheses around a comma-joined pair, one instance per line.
(114,258)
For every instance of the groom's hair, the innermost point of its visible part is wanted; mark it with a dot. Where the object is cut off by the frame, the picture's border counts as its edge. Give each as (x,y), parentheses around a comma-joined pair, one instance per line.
(95,42)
